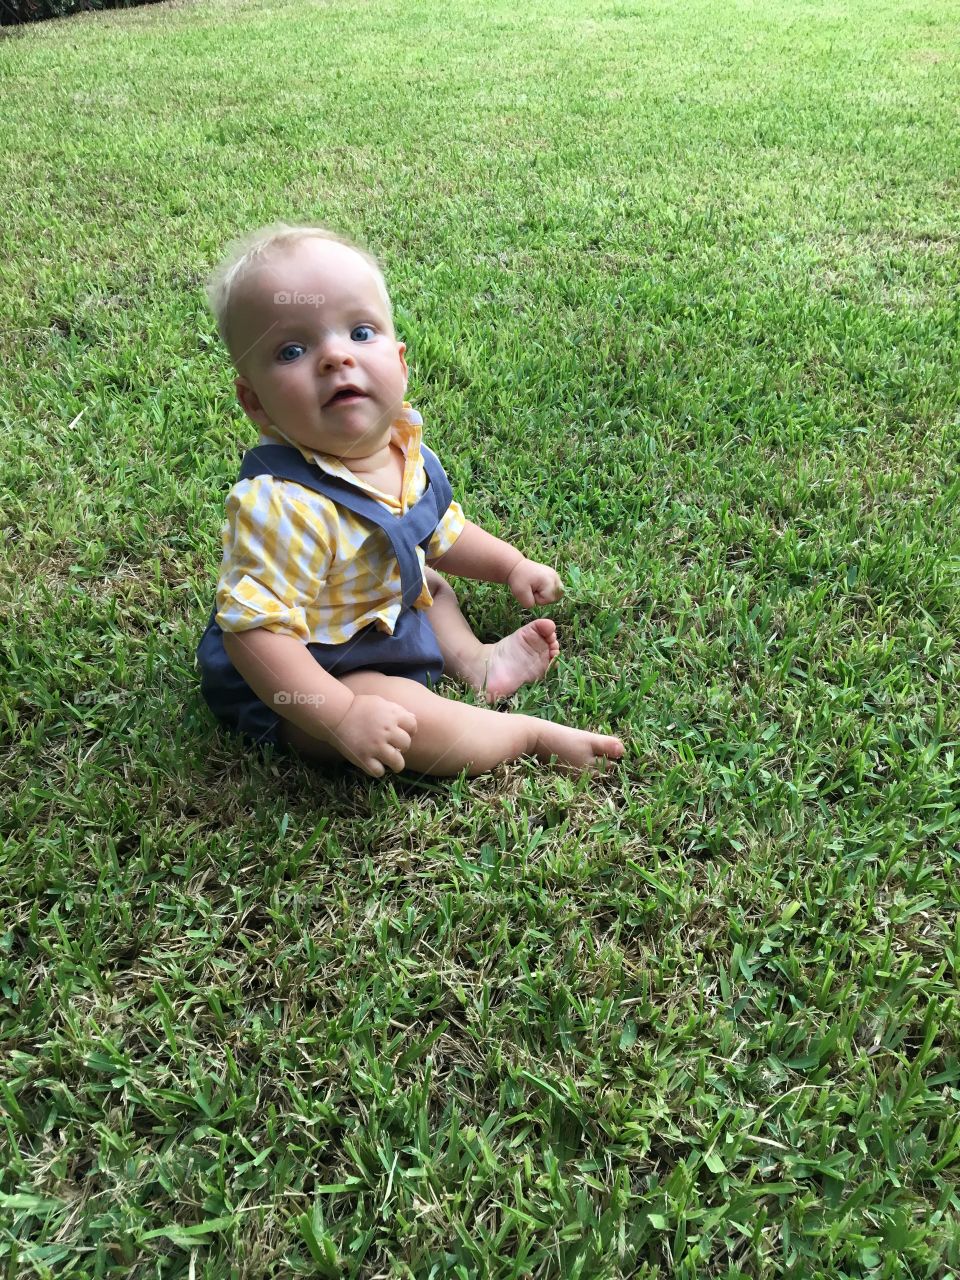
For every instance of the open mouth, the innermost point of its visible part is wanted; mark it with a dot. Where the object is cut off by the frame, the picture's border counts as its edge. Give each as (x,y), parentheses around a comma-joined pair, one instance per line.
(344,395)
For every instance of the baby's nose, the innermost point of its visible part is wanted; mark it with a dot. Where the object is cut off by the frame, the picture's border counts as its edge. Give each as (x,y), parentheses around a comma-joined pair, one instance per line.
(334,351)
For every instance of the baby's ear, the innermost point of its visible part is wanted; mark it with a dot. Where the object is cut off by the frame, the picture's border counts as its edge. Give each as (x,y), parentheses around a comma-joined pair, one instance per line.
(401,348)
(250,402)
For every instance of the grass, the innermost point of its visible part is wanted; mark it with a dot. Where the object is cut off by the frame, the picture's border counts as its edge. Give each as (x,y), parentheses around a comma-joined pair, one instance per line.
(679,284)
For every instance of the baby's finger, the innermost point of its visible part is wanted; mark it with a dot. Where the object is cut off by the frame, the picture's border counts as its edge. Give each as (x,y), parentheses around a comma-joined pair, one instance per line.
(393,759)
(407,721)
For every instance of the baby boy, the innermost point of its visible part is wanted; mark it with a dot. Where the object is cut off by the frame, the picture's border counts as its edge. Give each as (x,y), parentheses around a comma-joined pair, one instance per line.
(332,624)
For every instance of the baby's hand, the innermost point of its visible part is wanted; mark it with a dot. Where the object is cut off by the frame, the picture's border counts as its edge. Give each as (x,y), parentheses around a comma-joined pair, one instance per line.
(374,734)
(533,583)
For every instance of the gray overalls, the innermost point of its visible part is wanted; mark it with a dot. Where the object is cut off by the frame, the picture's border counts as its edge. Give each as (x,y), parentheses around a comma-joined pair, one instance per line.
(411,651)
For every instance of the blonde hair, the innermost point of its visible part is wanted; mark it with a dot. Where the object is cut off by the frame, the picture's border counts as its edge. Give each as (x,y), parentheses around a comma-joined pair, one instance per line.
(247,252)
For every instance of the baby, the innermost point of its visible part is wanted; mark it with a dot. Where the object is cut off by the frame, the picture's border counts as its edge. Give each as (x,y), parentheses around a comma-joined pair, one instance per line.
(331,624)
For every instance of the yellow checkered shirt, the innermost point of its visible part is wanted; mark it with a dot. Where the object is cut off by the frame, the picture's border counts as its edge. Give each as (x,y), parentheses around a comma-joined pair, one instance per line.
(295,563)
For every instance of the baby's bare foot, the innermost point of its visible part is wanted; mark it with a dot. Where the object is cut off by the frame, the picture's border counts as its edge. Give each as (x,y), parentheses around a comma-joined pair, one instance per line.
(518,659)
(575,747)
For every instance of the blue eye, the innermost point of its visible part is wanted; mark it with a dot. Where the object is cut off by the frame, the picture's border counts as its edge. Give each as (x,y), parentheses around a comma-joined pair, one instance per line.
(362,328)
(290,346)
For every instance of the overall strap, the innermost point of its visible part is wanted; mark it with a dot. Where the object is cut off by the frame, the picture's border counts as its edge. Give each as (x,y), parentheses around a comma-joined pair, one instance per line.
(415,526)
(420,520)
(438,481)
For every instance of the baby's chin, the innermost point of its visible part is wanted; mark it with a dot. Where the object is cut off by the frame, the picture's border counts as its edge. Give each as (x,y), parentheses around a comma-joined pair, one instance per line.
(350,435)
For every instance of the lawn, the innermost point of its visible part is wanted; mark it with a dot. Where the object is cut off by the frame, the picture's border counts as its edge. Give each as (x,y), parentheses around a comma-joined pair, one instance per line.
(679,284)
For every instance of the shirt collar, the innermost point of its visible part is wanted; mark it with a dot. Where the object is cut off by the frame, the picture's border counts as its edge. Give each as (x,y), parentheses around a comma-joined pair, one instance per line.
(406,431)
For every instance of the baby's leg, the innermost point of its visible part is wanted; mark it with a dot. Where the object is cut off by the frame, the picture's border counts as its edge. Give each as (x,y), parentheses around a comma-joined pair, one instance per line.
(452,736)
(496,670)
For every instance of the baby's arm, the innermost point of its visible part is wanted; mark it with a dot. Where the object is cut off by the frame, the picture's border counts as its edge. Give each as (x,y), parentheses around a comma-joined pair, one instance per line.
(370,731)
(478,554)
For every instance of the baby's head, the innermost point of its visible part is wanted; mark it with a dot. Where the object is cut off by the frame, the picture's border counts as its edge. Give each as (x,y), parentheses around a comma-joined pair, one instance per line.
(306,315)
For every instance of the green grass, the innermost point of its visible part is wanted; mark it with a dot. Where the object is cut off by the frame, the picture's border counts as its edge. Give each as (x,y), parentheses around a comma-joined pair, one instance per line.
(679,283)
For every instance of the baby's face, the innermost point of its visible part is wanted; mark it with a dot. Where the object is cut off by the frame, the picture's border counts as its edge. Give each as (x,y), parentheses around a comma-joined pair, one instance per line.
(307,323)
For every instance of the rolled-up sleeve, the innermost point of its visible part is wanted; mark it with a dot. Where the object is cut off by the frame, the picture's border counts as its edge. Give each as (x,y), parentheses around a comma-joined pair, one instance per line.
(277,550)
(447,532)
